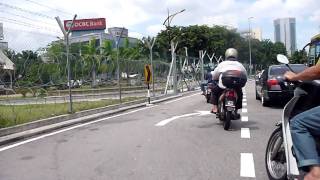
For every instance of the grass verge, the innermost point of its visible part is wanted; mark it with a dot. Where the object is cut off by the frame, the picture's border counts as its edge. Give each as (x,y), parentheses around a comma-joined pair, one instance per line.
(20,114)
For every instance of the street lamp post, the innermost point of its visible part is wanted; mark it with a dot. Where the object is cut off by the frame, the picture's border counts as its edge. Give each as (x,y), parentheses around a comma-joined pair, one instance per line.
(118,64)
(66,38)
(249,38)
(173,45)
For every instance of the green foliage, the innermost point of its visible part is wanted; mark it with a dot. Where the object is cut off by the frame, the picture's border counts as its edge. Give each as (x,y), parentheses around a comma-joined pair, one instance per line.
(19,114)
(216,40)
(299,57)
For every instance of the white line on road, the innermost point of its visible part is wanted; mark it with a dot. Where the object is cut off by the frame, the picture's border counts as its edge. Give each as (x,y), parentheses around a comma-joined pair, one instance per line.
(166,121)
(244,100)
(244,110)
(244,104)
(244,118)
(180,98)
(244,96)
(247,165)
(67,129)
(245,133)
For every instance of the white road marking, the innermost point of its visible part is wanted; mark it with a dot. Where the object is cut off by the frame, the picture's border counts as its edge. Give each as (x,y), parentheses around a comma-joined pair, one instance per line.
(247,165)
(244,100)
(245,133)
(244,110)
(244,119)
(181,98)
(68,129)
(244,96)
(166,121)
(203,113)
(244,104)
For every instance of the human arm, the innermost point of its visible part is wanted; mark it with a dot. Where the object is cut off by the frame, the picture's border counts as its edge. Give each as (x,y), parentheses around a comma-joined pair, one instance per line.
(308,74)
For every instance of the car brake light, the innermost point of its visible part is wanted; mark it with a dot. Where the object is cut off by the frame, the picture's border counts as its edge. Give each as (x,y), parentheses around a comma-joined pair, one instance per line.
(272,82)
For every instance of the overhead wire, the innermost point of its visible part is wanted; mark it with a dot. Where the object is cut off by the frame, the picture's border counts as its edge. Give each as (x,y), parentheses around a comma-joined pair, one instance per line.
(54,9)
(14,21)
(25,10)
(24,17)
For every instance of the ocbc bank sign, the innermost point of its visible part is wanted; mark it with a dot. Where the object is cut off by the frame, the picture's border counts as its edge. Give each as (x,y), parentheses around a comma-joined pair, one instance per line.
(86,24)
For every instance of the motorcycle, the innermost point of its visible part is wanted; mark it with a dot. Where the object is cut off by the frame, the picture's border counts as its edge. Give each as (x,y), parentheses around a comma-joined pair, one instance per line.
(228,99)
(279,157)
(208,90)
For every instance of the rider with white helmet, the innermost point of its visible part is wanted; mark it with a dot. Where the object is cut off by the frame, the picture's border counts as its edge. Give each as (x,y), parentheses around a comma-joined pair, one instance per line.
(231,63)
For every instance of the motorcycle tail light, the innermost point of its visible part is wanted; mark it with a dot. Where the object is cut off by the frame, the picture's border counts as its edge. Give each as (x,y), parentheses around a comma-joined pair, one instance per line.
(231,94)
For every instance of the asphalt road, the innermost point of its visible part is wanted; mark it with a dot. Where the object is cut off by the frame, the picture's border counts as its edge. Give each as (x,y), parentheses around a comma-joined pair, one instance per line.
(175,140)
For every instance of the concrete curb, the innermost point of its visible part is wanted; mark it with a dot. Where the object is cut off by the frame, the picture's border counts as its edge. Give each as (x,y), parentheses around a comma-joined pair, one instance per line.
(12,134)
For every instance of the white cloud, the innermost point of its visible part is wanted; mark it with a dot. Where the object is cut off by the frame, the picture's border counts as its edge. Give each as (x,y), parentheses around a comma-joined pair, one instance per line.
(224,20)
(147,16)
(155,29)
(315,17)
(135,35)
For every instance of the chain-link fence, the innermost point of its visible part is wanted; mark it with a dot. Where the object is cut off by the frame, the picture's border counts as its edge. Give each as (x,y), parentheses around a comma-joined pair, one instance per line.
(39,87)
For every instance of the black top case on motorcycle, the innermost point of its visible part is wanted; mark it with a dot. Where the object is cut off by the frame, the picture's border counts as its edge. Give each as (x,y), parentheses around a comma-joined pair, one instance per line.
(234,79)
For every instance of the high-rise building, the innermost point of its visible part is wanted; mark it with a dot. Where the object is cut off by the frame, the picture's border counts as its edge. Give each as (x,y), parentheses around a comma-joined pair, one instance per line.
(285,32)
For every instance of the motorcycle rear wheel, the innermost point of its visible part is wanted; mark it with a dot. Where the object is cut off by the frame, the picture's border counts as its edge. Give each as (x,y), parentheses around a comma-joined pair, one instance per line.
(227,120)
(276,164)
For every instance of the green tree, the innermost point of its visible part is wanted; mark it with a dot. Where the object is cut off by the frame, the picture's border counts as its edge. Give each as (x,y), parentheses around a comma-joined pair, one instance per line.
(92,59)
(299,57)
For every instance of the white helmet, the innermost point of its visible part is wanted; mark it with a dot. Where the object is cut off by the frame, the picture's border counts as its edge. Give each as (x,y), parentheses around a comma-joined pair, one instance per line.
(231,53)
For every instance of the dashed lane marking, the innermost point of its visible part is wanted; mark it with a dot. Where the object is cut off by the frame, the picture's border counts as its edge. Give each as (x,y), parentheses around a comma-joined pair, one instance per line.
(245,133)
(247,165)
(244,110)
(244,118)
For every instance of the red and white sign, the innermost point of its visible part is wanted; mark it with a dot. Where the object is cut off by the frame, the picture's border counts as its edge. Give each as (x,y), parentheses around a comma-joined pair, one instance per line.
(86,24)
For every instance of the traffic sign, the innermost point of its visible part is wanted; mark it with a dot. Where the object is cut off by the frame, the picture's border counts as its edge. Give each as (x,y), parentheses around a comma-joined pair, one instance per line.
(147,74)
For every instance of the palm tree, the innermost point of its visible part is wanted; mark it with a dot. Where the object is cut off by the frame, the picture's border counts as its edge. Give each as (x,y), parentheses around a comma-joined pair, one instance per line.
(91,59)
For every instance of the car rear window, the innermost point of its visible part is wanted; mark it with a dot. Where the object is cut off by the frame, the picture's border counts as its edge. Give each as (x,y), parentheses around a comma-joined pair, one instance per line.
(280,70)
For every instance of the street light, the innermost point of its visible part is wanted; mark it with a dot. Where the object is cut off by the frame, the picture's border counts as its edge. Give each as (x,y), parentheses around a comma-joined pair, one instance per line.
(118,65)
(249,38)
(167,23)
(66,38)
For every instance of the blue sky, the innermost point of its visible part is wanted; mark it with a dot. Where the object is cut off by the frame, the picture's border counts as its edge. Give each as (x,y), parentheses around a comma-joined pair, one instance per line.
(29,24)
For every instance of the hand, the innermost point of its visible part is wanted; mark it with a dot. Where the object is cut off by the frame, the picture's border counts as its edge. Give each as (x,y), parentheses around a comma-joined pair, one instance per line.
(289,75)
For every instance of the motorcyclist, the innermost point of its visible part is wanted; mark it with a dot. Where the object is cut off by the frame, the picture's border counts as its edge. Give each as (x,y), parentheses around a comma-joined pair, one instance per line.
(230,63)
(304,126)
(208,79)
